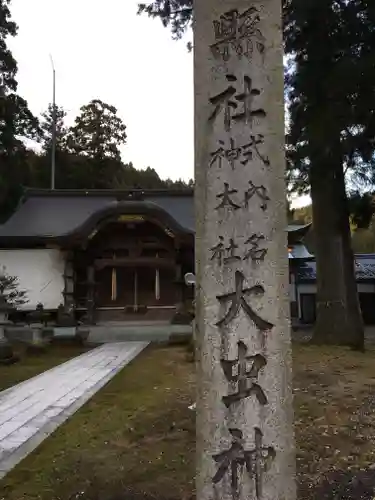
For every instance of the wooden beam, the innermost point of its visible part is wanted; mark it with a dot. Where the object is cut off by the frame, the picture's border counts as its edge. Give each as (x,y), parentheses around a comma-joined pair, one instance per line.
(136,261)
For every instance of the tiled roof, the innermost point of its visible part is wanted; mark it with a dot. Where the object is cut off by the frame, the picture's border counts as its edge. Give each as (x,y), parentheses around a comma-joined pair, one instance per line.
(60,213)
(296,232)
(364,269)
(297,227)
(299,251)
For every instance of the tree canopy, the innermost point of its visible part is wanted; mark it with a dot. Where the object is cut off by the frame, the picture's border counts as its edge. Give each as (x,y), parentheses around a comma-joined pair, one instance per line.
(88,154)
(98,132)
(329,78)
(16,120)
(46,127)
(176,14)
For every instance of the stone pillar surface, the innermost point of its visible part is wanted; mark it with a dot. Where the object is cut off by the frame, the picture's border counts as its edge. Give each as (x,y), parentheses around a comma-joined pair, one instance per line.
(245,442)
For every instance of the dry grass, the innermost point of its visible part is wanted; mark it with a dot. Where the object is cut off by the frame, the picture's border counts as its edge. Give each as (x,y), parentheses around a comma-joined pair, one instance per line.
(135,439)
(334,414)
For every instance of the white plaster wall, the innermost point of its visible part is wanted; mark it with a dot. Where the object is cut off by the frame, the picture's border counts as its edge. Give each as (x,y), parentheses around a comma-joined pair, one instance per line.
(40,273)
(306,288)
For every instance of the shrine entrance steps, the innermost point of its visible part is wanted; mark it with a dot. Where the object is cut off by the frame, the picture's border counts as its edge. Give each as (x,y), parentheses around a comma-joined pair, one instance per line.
(143,315)
(144,331)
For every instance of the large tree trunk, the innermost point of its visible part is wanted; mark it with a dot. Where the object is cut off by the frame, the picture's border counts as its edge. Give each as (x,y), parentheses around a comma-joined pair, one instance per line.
(339,319)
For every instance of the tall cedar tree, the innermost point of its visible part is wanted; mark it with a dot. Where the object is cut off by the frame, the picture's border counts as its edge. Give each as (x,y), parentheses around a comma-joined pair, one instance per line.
(332,107)
(79,168)
(47,129)
(331,104)
(98,134)
(16,121)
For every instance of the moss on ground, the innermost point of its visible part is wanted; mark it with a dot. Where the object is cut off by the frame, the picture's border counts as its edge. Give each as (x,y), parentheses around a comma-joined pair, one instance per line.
(136,438)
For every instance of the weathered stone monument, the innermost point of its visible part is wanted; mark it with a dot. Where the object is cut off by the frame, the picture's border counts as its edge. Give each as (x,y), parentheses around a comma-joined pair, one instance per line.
(244,407)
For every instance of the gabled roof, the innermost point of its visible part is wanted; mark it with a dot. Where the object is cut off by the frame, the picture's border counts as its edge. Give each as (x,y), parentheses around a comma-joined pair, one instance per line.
(299,251)
(56,214)
(364,269)
(61,214)
(296,232)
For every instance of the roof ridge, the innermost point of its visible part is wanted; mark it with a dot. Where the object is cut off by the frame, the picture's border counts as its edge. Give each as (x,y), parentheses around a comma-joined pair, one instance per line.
(117,193)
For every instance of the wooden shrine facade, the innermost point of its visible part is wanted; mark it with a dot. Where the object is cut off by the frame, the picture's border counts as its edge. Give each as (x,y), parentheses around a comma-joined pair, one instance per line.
(114,255)
(131,265)
(124,253)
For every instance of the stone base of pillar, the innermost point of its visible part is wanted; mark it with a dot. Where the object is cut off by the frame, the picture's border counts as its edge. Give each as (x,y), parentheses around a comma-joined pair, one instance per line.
(38,344)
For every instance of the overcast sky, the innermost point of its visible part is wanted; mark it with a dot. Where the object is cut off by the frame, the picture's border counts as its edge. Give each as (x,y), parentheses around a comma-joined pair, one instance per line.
(102,49)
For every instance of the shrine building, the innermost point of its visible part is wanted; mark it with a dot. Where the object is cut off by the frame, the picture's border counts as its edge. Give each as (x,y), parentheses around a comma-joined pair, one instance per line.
(121,255)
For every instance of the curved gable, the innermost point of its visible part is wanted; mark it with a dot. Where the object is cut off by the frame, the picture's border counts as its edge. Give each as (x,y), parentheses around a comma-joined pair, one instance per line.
(60,215)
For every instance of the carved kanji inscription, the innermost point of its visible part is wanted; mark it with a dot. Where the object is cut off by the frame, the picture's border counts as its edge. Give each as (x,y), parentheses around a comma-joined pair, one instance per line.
(231,252)
(223,254)
(258,191)
(229,197)
(226,198)
(218,251)
(238,301)
(234,460)
(255,253)
(244,372)
(227,254)
(238,33)
(237,106)
(242,154)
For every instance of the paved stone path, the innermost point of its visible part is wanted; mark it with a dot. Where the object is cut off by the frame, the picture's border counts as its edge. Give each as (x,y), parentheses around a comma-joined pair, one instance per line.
(32,410)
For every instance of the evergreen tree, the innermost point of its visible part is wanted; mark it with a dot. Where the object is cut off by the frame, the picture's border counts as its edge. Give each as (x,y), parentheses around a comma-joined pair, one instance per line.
(329,80)
(332,111)
(176,14)
(97,135)
(47,128)
(16,120)
(9,289)
(98,132)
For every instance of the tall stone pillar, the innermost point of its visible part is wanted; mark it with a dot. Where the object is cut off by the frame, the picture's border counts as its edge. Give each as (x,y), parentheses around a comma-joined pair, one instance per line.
(245,439)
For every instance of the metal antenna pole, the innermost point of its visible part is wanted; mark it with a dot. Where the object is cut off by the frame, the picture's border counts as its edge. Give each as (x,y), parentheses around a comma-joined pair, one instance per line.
(54,118)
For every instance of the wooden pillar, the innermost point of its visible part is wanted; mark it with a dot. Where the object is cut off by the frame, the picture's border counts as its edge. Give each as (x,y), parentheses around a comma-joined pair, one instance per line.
(157,282)
(68,283)
(179,286)
(135,290)
(91,294)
